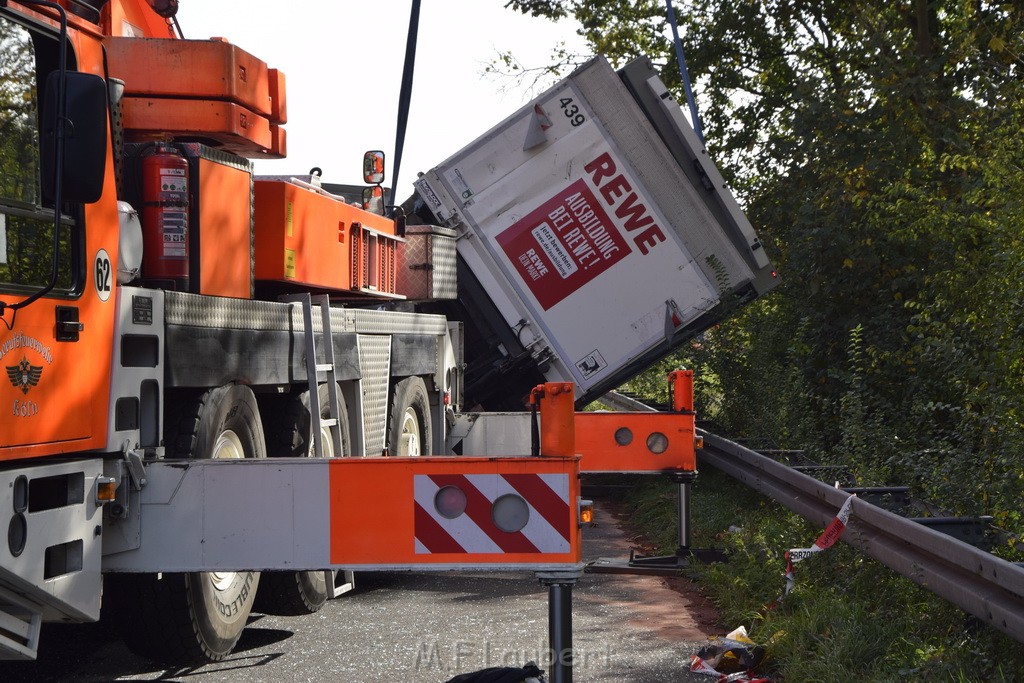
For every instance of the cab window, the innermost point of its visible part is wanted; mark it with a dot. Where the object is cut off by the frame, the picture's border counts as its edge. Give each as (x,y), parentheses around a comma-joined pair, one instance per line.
(26,224)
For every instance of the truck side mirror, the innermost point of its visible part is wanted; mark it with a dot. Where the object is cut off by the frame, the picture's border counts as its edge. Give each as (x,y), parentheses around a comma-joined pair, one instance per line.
(373,167)
(373,199)
(85,137)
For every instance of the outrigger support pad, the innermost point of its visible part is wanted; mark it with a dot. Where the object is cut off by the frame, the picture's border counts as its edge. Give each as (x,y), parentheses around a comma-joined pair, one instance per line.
(666,565)
(684,552)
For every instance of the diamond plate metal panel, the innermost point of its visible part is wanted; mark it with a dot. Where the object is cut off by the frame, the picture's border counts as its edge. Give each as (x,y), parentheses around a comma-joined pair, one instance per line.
(375,361)
(414,267)
(394,322)
(194,310)
(444,257)
(426,263)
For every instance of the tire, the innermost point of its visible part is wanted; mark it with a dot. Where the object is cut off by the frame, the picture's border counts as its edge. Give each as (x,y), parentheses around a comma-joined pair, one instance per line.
(196,617)
(409,423)
(288,434)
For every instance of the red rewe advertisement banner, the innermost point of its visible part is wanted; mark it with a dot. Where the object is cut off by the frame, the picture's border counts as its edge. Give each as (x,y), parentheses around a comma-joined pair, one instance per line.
(563,244)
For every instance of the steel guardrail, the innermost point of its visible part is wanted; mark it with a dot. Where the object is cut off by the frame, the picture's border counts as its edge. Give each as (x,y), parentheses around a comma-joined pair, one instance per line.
(986,586)
(624,404)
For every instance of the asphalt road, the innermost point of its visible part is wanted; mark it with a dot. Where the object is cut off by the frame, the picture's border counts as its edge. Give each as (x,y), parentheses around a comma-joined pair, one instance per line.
(426,628)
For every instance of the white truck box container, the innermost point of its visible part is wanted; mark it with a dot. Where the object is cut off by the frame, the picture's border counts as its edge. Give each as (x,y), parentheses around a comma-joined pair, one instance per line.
(598,227)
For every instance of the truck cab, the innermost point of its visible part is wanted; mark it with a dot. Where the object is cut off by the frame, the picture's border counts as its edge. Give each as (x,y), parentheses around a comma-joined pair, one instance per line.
(57,268)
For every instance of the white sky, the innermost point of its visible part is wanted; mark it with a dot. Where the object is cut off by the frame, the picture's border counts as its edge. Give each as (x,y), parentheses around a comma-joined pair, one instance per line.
(343,63)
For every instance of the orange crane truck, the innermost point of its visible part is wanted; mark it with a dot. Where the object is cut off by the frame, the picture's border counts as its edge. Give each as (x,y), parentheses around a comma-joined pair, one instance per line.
(223,390)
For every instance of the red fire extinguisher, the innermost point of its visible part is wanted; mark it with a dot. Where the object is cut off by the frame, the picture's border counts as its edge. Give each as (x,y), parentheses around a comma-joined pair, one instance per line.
(165,217)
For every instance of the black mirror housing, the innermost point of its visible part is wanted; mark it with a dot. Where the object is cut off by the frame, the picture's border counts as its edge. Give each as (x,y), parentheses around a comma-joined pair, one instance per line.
(85,137)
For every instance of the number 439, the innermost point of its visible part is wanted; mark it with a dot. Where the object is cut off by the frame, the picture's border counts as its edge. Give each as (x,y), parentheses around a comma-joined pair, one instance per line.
(572,112)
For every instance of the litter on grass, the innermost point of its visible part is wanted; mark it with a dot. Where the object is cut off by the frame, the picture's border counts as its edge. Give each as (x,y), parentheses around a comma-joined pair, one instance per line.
(731,659)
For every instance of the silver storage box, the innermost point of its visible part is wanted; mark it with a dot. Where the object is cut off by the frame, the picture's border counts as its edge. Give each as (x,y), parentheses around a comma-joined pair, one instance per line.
(426,263)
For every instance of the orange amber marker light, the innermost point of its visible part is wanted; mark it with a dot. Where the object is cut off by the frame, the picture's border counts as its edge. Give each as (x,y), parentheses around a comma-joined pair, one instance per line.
(698,442)
(106,490)
(586,512)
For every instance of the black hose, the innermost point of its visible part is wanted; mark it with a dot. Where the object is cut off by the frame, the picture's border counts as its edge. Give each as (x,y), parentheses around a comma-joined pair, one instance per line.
(534,431)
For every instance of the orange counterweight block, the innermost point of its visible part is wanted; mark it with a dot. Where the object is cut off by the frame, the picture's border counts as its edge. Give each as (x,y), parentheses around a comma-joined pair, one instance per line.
(200,90)
(310,238)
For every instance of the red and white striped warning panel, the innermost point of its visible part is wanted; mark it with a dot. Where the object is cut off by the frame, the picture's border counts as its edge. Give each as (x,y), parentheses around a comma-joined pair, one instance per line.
(492,513)
(434,513)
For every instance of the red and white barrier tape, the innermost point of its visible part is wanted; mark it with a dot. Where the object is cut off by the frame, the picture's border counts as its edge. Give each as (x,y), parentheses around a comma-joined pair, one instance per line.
(827,539)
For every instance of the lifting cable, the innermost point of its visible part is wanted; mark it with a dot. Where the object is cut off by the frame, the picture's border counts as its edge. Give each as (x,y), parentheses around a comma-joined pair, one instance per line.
(684,72)
(405,95)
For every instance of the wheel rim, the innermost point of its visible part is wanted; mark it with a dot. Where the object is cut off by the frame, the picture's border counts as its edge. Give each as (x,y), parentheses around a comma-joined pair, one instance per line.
(326,442)
(228,446)
(409,441)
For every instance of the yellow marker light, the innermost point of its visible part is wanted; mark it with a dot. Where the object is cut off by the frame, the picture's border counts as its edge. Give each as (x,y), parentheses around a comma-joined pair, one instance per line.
(586,512)
(106,490)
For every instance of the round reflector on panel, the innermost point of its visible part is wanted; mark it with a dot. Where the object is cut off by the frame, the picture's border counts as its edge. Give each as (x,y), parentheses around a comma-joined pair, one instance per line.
(657,443)
(510,513)
(450,502)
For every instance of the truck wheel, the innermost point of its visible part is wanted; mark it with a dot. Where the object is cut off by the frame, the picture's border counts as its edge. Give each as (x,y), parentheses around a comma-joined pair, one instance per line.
(199,616)
(288,434)
(409,426)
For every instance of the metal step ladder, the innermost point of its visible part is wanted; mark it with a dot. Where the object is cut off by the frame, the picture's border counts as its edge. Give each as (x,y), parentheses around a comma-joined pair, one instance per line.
(317,372)
(342,581)
(20,623)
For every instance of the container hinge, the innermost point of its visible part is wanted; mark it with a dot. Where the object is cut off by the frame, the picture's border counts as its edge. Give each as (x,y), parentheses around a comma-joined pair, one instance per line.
(131,478)
(135,468)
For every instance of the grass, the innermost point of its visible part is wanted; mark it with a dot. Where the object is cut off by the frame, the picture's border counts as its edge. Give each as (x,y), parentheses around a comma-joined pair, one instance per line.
(849,618)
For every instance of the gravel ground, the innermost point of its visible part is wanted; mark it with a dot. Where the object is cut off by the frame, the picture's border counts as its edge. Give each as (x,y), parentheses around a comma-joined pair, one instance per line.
(426,628)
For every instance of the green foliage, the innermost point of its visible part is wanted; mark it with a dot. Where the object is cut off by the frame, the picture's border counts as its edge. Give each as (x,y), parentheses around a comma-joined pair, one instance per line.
(877,148)
(26,238)
(19,138)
